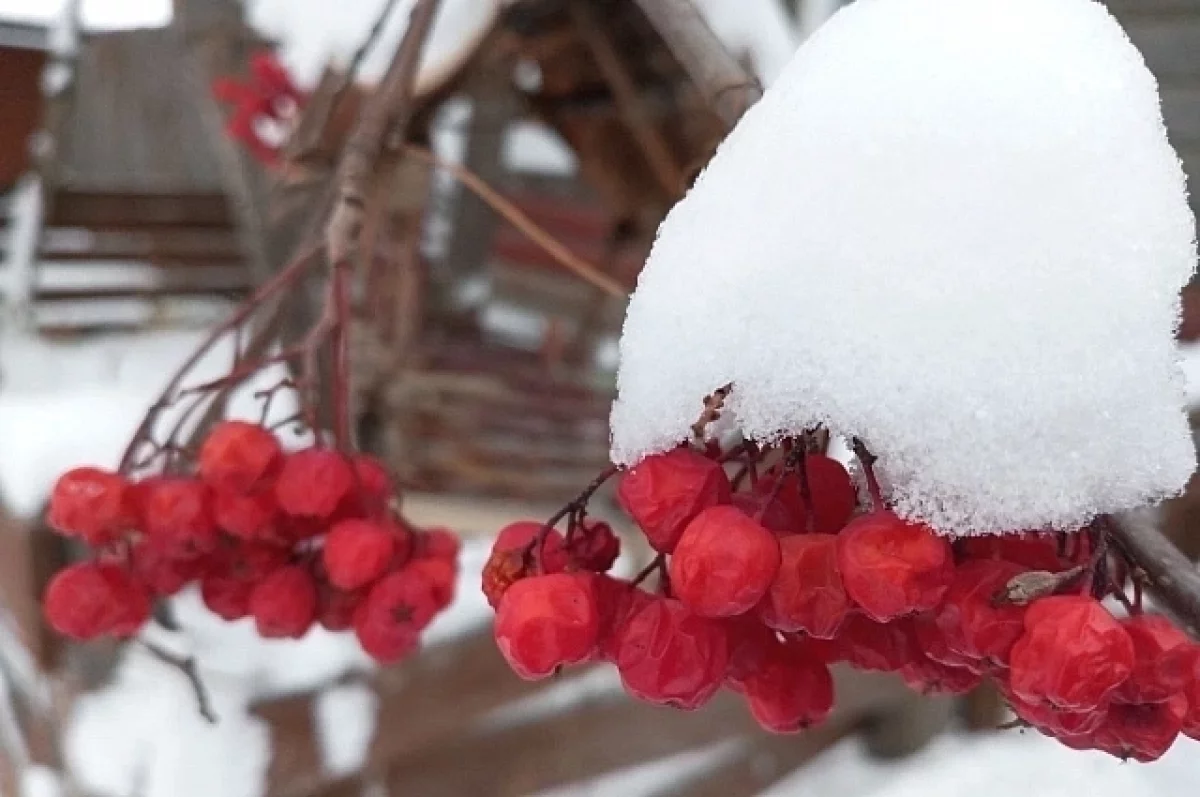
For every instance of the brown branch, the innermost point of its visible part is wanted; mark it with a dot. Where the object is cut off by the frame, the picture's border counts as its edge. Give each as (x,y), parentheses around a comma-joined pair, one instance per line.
(387,108)
(1171,576)
(713,404)
(187,666)
(725,84)
(565,257)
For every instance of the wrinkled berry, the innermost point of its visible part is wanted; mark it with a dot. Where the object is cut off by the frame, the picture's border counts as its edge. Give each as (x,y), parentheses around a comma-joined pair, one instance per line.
(892,568)
(546,622)
(790,691)
(724,562)
(1164,660)
(807,593)
(664,492)
(669,656)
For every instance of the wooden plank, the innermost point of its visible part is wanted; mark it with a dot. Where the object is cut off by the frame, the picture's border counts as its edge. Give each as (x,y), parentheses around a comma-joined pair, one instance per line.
(163,244)
(138,210)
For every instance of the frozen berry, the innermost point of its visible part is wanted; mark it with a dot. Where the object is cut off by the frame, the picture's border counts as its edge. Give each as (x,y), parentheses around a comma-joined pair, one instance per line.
(546,622)
(1164,660)
(238,456)
(249,560)
(973,624)
(372,489)
(313,482)
(164,573)
(872,646)
(512,558)
(1141,731)
(807,593)
(437,544)
(669,656)
(407,595)
(892,568)
(665,491)
(1191,722)
(441,575)
(933,643)
(357,552)
(247,515)
(1073,653)
(226,596)
(92,504)
(772,513)
(1056,722)
(90,599)
(385,634)
(778,499)
(928,677)
(1031,550)
(336,608)
(178,512)
(616,601)
(284,604)
(790,691)
(724,562)
(749,642)
(833,495)
(594,546)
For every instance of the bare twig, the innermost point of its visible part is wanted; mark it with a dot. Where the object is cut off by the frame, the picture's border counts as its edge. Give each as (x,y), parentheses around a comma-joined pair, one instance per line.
(187,666)
(713,404)
(1170,575)
(565,257)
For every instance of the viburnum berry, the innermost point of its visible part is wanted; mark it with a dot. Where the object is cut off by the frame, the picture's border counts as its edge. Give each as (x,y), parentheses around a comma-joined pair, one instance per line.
(384,633)
(664,492)
(770,512)
(668,655)
(872,646)
(508,562)
(226,596)
(357,552)
(833,495)
(807,593)
(371,491)
(284,604)
(1055,722)
(1164,660)
(891,567)
(923,674)
(972,623)
(336,608)
(92,504)
(312,483)
(408,595)
(441,575)
(437,544)
(239,457)
(92,599)
(178,512)
(778,499)
(616,601)
(790,691)
(548,621)
(163,573)
(724,562)
(594,546)
(1141,731)
(1073,654)
(1191,721)
(250,516)
(1031,550)
(749,644)
(932,642)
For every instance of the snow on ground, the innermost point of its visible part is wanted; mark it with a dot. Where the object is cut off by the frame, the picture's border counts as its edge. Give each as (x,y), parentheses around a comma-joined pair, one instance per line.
(956,228)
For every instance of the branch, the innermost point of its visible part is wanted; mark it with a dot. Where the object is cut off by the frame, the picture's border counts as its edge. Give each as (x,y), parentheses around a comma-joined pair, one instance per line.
(725,84)
(188,667)
(565,257)
(1171,576)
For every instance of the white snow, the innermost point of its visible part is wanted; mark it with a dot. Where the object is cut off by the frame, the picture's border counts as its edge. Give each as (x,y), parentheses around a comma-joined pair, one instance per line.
(345,723)
(41,781)
(955,228)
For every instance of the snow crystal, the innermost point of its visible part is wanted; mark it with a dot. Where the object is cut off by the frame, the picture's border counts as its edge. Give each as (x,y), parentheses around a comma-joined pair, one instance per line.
(345,722)
(954,228)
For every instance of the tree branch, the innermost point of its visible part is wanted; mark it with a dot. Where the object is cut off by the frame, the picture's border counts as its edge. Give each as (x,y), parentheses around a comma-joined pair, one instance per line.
(1171,576)
(725,84)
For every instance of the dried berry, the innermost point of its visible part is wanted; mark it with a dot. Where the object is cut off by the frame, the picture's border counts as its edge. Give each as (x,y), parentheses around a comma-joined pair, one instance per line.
(807,593)
(973,623)
(512,559)
(664,492)
(1141,731)
(891,567)
(594,546)
(669,656)
(724,562)
(546,622)
(1164,660)
(239,457)
(790,691)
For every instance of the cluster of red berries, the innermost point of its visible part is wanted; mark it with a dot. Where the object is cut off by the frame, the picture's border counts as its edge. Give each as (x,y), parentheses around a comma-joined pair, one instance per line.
(289,539)
(762,587)
(268,94)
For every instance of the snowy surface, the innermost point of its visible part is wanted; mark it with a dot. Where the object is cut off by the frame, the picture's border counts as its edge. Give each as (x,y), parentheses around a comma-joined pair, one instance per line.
(952,227)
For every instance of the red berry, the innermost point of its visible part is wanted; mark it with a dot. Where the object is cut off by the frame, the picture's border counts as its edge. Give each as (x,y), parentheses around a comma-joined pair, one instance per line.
(594,546)
(407,595)
(546,622)
(974,626)
(178,512)
(384,634)
(313,482)
(164,573)
(724,563)
(508,562)
(249,560)
(833,495)
(807,593)
(1073,654)
(91,599)
(1191,722)
(335,608)
(872,646)
(372,489)
(773,514)
(892,568)
(932,642)
(930,677)
(1164,660)
(750,642)
(1141,731)
(1054,722)
(250,516)
(225,596)
(357,552)
(616,601)
(438,544)
(92,504)
(441,575)
(1031,550)
(790,691)
(665,491)
(238,456)
(669,656)
(781,500)
(284,604)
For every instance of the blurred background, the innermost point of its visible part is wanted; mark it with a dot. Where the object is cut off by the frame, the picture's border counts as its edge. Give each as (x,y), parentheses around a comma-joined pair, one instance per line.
(136,209)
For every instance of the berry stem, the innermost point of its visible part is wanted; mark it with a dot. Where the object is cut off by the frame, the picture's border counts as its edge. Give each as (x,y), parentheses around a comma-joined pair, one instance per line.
(657,562)
(188,667)
(576,505)
(340,299)
(868,464)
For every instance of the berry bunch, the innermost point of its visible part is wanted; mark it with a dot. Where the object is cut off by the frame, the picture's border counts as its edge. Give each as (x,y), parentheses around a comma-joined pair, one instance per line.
(267,94)
(290,539)
(769,577)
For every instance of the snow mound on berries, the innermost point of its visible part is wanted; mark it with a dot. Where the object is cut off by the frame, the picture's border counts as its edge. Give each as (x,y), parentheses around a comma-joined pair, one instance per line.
(956,229)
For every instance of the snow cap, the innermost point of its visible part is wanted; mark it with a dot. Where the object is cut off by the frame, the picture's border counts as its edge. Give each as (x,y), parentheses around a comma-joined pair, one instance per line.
(956,229)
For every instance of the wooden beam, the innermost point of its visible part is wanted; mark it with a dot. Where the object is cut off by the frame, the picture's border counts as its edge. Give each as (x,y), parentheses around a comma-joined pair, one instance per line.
(667,172)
